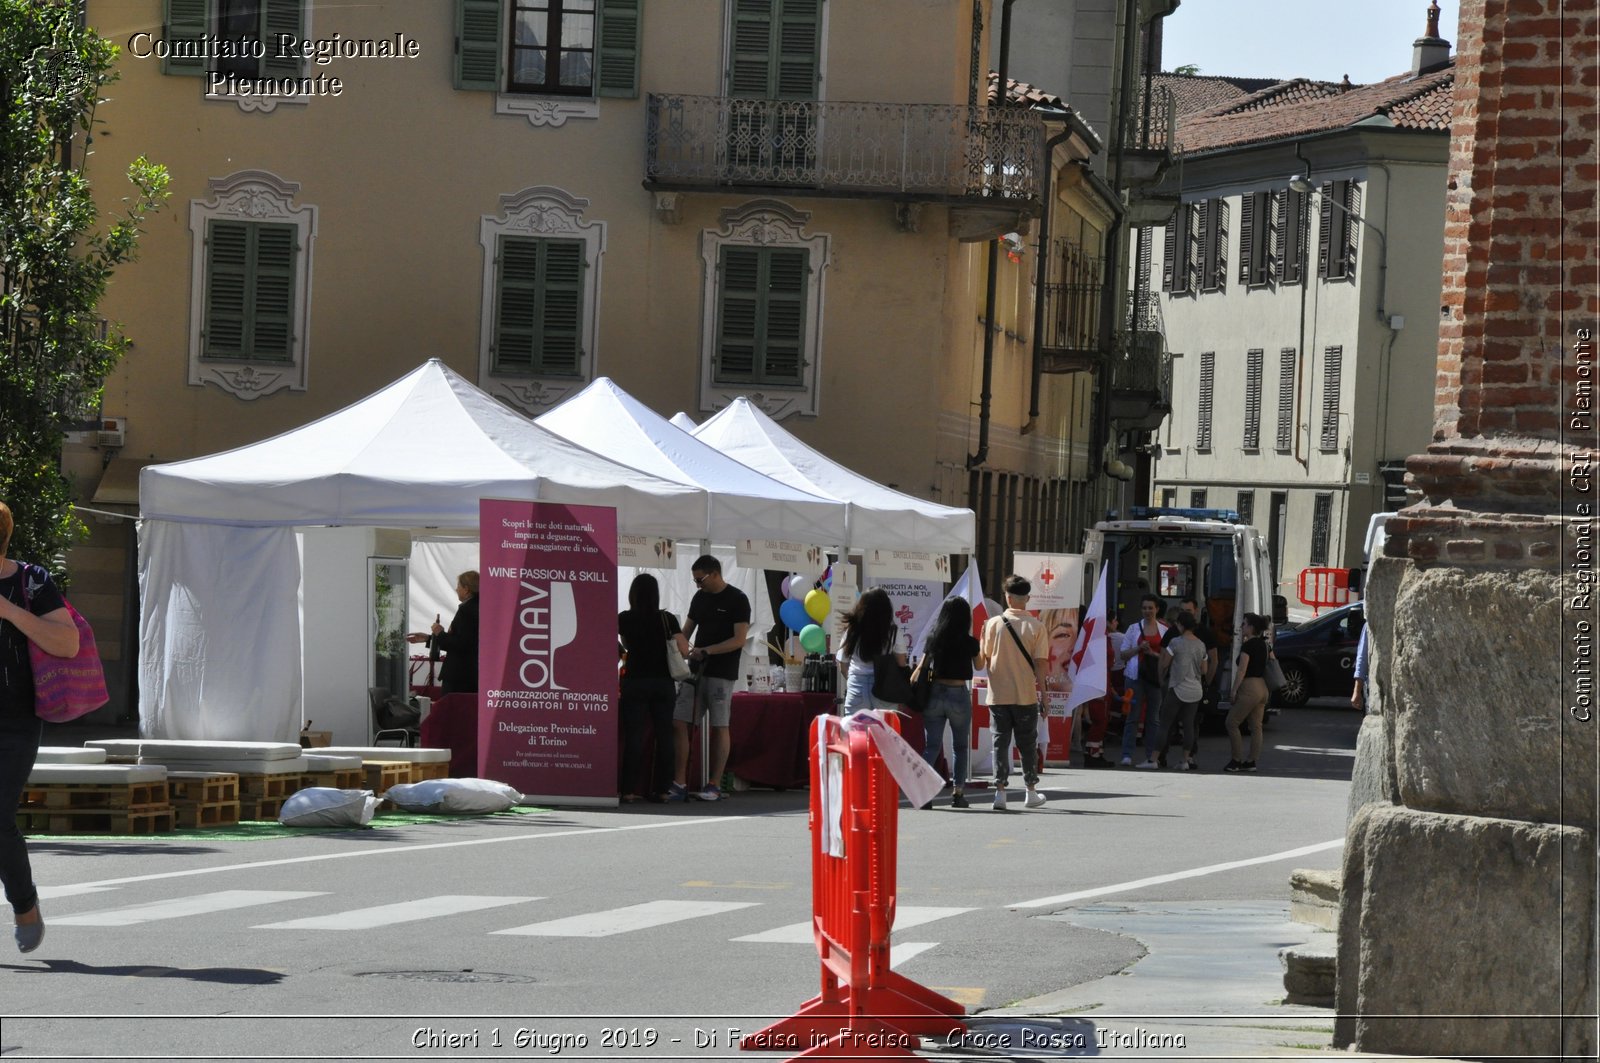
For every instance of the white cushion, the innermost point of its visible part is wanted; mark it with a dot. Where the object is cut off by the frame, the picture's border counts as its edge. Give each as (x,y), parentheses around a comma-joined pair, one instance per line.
(403,753)
(166,750)
(69,755)
(297,766)
(95,774)
(459,797)
(323,763)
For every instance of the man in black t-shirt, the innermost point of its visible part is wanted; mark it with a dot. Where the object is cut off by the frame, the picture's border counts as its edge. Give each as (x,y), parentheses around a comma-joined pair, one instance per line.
(718,622)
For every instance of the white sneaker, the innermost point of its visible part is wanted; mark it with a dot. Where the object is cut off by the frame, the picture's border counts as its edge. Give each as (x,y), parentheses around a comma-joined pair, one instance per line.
(1149,764)
(1035,799)
(1126,762)
(999,798)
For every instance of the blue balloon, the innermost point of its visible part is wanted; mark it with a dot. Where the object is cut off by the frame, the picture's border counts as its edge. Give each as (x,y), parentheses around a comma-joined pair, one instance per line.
(794,616)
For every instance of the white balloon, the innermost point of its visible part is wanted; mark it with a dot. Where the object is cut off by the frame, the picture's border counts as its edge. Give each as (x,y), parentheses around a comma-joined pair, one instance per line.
(801,585)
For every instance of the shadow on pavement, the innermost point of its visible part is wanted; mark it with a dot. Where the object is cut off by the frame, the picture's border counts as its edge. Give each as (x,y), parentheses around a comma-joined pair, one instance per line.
(219,975)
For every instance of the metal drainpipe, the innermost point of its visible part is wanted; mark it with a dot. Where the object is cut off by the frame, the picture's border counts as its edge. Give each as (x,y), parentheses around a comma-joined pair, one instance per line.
(1042,274)
(985,393)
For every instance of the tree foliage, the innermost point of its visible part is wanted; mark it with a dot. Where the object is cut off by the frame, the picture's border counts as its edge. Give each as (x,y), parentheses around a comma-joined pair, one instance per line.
(56,258)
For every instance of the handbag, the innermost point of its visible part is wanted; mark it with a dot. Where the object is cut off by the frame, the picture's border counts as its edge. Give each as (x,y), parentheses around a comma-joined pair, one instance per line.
(922,684)
(1274,673)
(677,667)
(891,680)
(65,688)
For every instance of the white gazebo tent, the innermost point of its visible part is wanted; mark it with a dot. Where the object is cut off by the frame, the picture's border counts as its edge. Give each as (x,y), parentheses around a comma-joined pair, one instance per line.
(252,564)
(878,516)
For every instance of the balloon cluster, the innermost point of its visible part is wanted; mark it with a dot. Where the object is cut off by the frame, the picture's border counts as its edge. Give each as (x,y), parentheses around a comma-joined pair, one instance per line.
(805,607)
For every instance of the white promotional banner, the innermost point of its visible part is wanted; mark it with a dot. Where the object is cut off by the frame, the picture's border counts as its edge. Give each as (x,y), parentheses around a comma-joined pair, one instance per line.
(905,564)
(916,779)
(781,556)
(646,551)
(1057,579)
(915,603)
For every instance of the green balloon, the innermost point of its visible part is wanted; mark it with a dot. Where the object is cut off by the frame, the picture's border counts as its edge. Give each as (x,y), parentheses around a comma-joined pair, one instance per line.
(812,639)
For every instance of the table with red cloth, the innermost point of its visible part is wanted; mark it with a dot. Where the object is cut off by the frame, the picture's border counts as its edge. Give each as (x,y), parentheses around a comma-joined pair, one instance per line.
(452,723)
(770,735)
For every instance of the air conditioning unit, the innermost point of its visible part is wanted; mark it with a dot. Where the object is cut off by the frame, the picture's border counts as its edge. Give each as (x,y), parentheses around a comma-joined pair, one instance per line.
(113,432)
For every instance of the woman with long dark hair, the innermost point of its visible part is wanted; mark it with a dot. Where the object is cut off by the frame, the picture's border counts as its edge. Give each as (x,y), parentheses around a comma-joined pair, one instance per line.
(31,610)
(951,651)
(869,633)
(648,690)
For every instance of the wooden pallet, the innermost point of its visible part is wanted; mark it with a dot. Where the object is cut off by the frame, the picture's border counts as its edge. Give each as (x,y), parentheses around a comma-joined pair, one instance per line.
(256,787)
(206,813)
(261,807)
(437,770)
(382,774)
(127,797)
(342,779)
(203,787)
(94,821)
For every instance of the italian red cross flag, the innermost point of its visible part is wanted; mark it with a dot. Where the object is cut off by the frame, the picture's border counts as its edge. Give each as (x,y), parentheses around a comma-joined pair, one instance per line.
(1088,670)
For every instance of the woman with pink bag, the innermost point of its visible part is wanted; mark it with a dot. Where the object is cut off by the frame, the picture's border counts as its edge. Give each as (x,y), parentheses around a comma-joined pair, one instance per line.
(31,609)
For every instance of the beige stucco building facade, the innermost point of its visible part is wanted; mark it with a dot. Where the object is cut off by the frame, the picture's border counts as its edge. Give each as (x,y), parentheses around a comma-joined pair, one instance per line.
(785,199)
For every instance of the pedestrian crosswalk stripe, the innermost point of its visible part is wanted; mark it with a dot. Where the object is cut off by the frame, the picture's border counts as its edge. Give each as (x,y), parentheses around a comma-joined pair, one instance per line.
(50,893)
(904,951)
(390,914)
(202,904)
(905,917)
(623,920)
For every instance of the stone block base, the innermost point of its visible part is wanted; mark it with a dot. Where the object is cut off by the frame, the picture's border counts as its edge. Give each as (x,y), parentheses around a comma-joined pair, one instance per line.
(1314,898)
(1309,971)
(1466,936)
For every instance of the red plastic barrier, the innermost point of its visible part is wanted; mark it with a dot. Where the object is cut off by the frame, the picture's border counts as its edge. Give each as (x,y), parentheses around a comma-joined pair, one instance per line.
(1325,588)
(864,1009)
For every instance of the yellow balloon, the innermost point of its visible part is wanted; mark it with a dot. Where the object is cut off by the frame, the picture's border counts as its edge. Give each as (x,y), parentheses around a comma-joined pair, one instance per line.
(817,605)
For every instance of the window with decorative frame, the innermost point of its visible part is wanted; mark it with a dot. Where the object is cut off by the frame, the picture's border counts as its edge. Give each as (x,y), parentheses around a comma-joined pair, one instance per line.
(244,39)
(249,319)
(540,298)
(762,313)
(548,60)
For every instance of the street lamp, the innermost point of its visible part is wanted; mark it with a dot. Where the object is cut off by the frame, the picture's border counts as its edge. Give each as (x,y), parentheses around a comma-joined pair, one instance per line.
(1301,183)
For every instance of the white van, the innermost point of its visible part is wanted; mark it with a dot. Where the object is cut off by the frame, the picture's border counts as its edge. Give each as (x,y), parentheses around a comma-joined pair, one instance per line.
(1206,554)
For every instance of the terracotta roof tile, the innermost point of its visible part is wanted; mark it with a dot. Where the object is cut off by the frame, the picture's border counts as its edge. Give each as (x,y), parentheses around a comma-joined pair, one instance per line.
(1197,92)
(1022,92)
(1298,107)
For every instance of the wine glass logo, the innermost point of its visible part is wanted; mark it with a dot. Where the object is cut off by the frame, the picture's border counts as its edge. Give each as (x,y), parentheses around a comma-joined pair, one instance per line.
(563,624)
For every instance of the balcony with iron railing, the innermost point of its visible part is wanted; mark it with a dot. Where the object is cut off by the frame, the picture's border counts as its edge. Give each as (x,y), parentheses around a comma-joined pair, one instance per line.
(1141,367)
(903,151)
(1069,340)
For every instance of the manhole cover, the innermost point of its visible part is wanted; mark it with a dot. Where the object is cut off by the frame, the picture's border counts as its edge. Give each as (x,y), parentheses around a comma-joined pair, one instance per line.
(449,976)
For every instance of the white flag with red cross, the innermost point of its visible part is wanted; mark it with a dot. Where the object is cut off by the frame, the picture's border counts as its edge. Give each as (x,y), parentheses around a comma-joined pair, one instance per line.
(1089,666)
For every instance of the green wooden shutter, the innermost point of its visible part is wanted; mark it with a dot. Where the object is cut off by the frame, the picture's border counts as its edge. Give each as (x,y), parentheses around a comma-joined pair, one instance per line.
(184,22)
(799,35)
(750,71)
(738,314)
(1352,227)
(783,346)
(281,18)
(1247,235)
(272,297)
(1325,232)
(561,307)
(618,48)
(516,327)
(1169,250)
(228,281)
(479,24)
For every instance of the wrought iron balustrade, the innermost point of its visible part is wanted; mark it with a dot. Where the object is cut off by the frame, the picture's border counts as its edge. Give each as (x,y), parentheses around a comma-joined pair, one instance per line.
(1072,299)
(888,149)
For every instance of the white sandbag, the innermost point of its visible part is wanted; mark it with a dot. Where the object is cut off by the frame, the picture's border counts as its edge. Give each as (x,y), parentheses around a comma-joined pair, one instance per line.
(323,806)
(454,797)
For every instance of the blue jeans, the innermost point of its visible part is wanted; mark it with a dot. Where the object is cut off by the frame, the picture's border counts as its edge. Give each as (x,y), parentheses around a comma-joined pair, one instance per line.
(953,705)
(19,747)
(1021,721)
(1146,704)
(858,690)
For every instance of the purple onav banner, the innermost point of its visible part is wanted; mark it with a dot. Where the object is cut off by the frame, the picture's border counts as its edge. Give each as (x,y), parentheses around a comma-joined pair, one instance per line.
(547,653)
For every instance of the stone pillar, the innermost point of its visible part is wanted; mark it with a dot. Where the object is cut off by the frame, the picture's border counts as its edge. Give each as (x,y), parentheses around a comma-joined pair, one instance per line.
(1471,897)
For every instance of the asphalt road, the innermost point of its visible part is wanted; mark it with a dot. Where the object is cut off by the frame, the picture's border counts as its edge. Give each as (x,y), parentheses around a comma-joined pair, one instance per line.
(644,932)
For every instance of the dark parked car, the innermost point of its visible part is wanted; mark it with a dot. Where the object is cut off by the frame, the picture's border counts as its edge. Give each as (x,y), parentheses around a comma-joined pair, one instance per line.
(1319,656)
